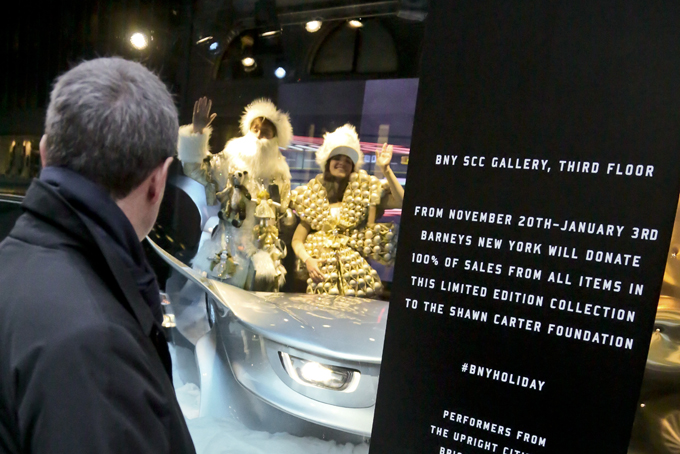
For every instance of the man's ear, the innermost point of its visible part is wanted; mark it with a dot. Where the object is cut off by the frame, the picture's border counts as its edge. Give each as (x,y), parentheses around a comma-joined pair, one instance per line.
(157,181)
(43,151)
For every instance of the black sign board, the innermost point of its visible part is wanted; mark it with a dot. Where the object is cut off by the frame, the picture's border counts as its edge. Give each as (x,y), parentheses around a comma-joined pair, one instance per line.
(540,198)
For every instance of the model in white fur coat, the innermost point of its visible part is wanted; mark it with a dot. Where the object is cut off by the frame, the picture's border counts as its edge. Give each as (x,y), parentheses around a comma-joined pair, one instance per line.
(264,129)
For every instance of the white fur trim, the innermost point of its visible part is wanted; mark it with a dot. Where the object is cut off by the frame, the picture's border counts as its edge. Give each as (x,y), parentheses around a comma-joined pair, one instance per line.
(265,271)
(192,147)
(267,163)
(344,136)
(265,108)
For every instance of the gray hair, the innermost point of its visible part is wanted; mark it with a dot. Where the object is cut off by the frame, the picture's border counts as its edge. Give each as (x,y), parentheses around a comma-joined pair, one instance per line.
(112,121)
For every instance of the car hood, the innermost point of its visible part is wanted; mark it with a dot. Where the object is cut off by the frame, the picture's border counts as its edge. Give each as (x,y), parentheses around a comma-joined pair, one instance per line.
(342,327)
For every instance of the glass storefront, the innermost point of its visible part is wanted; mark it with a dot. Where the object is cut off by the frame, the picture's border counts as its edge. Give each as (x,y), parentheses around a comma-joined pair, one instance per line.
(291,364)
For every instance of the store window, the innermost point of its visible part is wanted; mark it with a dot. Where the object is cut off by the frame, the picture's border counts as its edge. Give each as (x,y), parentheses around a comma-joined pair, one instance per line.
(303,359)
(276,272)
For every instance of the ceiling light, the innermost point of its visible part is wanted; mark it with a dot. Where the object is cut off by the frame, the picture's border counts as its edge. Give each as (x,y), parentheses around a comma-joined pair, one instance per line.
(280,72)
(202,40)
(313,26)
(139,41)
(270,33)
(213,46)
(248,62)
(355,23)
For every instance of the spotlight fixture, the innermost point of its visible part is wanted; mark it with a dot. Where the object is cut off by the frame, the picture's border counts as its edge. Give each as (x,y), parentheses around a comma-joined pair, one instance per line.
(270,33)
(355,23)
(247,57)
(280,72)
(313,26)
(139,41)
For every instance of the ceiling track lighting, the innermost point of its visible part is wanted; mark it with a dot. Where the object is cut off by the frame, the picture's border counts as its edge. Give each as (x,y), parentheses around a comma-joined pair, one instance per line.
(270,33)
(202,40)
(313,26)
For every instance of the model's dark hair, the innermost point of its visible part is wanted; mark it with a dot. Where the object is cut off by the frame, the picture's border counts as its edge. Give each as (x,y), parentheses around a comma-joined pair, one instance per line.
(335,189)
(112,121)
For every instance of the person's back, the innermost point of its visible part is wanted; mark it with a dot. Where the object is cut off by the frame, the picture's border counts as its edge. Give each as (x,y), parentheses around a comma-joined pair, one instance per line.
(84,364)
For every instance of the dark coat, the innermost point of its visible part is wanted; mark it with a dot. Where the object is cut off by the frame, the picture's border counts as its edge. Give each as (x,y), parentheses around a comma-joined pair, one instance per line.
(84,367)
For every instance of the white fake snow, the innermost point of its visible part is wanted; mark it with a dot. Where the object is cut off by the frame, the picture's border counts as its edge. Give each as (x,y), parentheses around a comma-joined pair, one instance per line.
(228,436)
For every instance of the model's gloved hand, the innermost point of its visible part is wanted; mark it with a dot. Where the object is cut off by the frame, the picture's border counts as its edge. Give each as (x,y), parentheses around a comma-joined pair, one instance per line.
(202,117)
(313,269)
(384,157)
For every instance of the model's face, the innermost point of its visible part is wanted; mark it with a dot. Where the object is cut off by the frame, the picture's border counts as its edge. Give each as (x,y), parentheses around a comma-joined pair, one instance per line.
(340,166)
(263,129)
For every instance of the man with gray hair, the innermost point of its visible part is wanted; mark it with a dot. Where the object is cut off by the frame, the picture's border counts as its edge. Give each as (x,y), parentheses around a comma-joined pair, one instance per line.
(84,363)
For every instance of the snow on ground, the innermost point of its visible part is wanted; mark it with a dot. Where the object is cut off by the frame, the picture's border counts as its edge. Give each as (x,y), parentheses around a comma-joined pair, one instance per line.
(223,436)
(228,436)
(189,398)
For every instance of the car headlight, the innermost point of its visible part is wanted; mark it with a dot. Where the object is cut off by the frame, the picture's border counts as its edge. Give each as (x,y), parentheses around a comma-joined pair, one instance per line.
(312,373)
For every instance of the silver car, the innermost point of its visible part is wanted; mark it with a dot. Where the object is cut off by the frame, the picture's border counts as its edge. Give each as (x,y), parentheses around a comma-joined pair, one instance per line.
(304,364)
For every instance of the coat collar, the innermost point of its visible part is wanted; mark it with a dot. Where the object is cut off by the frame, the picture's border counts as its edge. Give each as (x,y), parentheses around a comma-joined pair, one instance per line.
(44,202)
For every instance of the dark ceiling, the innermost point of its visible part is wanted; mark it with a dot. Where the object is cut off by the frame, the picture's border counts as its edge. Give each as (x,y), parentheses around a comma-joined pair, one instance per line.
(197,46)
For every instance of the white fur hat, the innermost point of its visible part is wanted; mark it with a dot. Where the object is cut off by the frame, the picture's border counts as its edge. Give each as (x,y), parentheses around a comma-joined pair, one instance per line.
(343,140)
(265,108)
